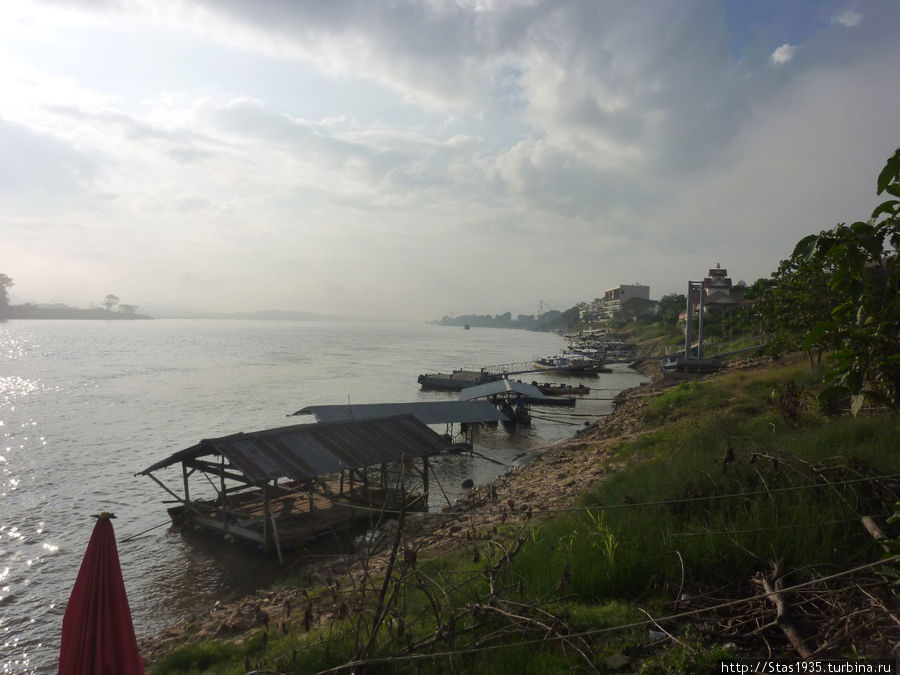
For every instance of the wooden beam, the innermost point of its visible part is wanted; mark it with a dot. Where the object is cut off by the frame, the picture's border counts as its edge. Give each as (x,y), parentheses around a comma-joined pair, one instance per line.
(215,469)
(184,501)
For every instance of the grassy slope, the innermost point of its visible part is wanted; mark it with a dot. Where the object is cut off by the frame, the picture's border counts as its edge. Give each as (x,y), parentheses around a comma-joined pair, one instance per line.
(600,567)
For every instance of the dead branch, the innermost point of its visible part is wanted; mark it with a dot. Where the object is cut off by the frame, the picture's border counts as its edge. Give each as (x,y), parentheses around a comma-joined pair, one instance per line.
(773,594)
(549,630)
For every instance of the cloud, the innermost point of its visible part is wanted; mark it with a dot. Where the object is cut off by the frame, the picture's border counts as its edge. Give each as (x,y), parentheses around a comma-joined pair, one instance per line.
(850,18)
(370,149)
(783,54)
(33,161)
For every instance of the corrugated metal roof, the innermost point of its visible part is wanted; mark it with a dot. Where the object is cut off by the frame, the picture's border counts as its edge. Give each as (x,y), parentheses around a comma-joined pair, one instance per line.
(427,412)
(305,451)
(499,387)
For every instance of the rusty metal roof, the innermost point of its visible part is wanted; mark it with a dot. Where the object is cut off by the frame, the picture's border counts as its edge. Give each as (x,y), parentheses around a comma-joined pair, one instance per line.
(304,451)
(427,412)
(500,387)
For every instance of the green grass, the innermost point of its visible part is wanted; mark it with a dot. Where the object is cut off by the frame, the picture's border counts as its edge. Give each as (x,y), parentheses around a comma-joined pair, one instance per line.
(632,547)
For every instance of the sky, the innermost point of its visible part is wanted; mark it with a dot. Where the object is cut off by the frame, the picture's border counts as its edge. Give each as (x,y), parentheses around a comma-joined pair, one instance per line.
(414,159)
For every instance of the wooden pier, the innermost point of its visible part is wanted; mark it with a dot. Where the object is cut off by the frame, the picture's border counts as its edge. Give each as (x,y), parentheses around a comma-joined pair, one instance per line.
(505,369)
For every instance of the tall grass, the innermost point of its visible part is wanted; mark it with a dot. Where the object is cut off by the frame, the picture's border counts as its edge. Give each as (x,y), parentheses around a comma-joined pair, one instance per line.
(629,545)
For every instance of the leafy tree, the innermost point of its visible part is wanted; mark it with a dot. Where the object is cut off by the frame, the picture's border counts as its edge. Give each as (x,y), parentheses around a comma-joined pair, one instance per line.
(129,310)
(5,283)
(670,308)
(864,323)
(791,302)
(110,301)
(641,309)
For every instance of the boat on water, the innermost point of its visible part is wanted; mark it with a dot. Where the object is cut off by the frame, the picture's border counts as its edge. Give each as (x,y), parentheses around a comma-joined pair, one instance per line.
(455,381)
(562,389)
(593,351)
(570,366)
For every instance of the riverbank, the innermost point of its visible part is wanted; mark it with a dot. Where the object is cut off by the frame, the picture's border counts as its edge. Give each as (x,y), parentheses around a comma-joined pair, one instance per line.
(552,479)
(33,312)
(520,557)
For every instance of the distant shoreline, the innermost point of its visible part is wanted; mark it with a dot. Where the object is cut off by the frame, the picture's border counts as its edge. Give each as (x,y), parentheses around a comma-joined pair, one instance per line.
(19,312)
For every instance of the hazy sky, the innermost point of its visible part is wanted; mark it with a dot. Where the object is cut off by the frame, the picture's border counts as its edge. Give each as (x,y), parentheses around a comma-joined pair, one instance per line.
(415,159)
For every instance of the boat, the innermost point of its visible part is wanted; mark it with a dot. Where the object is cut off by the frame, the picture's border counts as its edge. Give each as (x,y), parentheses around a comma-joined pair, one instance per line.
(562,389)
(455,381)
(564,364)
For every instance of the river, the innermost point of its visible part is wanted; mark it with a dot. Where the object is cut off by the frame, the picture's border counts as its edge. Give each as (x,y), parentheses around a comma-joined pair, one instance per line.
(84,405)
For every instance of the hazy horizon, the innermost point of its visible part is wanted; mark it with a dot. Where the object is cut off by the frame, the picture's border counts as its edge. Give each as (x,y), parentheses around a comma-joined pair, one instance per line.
(419,159)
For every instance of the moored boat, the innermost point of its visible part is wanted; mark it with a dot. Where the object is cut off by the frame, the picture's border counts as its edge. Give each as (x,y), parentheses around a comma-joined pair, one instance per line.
(564,364)
(562,389)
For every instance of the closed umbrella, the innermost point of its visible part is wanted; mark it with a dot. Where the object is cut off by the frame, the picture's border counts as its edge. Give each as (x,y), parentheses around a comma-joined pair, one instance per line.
(97,632)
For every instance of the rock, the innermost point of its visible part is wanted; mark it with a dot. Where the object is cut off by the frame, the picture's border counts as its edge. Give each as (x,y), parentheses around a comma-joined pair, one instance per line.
(617,662)
(468,483)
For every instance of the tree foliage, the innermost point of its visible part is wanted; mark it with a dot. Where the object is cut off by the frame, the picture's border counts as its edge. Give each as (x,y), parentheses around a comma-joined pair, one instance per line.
(110,301)
(5,283)
(795,298)
(671,307)
(862,298)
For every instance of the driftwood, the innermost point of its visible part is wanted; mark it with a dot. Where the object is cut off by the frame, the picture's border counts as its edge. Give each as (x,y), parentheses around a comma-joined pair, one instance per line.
(873,529)
(772,585)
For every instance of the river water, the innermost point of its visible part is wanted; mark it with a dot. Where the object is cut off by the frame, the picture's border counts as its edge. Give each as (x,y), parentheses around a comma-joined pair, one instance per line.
(84,405)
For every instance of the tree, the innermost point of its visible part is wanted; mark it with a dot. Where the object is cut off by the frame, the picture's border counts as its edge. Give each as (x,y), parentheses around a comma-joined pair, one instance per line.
(864,322)
(110,301)
(5,283)
(791,302)
(639,309)
(671,307)
(129,310)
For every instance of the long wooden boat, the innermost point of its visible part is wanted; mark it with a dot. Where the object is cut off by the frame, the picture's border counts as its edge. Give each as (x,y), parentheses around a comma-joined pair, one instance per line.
(455,381)
(563,364)
(562,389)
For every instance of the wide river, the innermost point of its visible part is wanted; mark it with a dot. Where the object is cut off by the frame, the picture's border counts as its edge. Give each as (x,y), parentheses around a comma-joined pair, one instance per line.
(84,405)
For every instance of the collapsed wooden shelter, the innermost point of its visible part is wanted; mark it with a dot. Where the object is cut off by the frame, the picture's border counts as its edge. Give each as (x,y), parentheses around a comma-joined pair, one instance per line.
(284,486)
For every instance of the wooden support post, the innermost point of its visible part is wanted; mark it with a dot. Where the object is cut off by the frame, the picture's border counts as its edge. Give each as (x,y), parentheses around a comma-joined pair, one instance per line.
(266,515)
(341,490)
(277,540)
(425,480)
(224,500)
(309,489)
(184,473)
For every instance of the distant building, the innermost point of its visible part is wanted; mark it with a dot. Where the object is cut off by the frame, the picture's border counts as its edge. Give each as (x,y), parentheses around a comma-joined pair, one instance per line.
(718,293)
(614,297)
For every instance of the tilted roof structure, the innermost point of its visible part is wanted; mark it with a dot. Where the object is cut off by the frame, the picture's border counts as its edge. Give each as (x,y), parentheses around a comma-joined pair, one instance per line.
(427,412)
(500,387)
(305,451)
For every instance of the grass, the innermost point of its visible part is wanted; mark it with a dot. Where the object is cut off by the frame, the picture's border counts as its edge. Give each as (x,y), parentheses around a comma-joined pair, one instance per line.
(676,516)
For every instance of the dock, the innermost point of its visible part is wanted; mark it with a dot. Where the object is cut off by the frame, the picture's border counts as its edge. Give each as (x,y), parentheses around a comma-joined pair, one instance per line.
(282,487)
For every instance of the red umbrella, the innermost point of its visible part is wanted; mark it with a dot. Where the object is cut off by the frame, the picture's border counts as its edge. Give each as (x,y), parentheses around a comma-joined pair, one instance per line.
(97,632)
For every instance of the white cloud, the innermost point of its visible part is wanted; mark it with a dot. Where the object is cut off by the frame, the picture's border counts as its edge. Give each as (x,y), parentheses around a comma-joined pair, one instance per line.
(850,19)
(783,54)
(355,156)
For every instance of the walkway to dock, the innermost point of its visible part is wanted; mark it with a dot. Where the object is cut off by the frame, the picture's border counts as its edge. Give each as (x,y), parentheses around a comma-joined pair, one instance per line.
(506,369)
(510,368)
